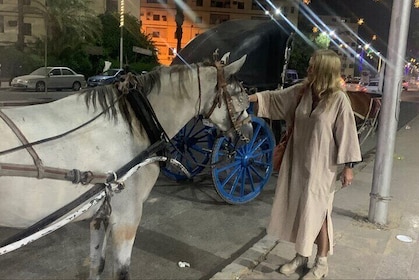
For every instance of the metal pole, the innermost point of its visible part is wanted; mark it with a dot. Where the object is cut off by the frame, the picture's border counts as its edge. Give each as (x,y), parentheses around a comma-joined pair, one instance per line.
(46,48)
(379,63)
(121,41)
(380,191)
(121,47)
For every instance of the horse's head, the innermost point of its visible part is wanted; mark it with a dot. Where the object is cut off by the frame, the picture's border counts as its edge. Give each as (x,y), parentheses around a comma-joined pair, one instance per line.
(228,110)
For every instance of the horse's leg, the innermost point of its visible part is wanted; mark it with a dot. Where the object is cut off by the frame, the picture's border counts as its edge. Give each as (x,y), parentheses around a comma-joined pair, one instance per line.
(123,236)
(127,208)
(99,232)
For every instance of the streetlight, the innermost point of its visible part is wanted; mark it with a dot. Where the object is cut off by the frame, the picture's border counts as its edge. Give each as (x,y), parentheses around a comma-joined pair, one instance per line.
(121,41)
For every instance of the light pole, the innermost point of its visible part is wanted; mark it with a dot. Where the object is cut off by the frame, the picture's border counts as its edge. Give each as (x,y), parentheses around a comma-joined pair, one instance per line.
(379,62)
(121,41)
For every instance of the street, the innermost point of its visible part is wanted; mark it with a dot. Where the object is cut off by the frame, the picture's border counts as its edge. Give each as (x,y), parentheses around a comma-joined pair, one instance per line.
(181,222)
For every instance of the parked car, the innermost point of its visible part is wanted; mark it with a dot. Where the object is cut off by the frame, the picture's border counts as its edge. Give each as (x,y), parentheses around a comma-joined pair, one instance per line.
(108,77)
(405,85)
(411,85)
(373,87)
(51,77)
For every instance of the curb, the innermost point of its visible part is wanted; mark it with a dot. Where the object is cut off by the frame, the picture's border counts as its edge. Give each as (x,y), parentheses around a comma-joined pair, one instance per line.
(248,260)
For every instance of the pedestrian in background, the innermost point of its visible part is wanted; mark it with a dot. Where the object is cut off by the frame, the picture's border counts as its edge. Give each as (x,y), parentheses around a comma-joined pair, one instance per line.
(324,137)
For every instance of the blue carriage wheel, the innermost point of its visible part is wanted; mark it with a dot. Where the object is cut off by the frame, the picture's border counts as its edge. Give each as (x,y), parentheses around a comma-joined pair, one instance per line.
(193,149)
(240,172)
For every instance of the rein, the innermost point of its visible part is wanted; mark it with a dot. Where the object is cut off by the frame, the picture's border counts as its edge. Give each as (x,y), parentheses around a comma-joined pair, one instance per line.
(223,94)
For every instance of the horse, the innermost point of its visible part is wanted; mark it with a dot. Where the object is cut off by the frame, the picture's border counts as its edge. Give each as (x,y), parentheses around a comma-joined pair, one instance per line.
(99,130)
(366,109)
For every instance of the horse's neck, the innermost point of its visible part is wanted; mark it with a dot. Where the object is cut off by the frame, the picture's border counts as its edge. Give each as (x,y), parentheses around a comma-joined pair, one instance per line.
(177,103)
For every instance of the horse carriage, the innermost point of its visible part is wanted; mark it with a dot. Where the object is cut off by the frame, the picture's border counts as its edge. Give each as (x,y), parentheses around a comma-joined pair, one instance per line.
(95,155)
(366,109)
(239,170)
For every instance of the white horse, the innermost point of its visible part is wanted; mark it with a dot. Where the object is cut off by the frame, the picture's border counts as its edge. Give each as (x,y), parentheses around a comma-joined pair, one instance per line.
(176,94)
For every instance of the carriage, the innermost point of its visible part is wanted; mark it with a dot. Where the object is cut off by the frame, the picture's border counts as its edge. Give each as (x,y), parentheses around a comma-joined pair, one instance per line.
(239,170)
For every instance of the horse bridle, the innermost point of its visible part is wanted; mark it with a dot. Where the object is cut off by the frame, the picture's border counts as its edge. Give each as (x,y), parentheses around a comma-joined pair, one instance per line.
(223,94)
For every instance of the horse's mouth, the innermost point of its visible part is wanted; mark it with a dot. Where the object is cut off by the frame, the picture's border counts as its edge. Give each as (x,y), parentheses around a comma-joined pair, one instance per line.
(244,132)
(247,131)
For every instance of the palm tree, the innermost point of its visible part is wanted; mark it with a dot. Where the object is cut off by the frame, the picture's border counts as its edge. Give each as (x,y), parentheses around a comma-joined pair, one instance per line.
(70,25)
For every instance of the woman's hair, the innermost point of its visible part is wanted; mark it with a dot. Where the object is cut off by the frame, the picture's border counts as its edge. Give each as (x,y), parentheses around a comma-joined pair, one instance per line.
(324,73)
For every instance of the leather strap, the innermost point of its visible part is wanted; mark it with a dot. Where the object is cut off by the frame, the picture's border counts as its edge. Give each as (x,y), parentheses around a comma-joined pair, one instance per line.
(36,159)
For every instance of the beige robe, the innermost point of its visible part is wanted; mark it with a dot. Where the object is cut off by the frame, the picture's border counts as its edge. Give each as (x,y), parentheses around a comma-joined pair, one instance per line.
(321,140)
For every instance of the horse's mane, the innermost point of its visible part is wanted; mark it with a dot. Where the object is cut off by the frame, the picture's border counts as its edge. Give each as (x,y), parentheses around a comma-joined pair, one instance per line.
(105,98)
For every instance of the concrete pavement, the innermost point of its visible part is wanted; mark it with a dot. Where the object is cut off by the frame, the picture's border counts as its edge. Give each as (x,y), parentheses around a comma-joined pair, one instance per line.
(362,250)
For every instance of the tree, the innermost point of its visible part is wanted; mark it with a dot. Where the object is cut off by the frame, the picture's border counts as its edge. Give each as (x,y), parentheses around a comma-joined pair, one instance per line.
(322,41)
(300,55)
(179,18)
(70,27)
(132,37)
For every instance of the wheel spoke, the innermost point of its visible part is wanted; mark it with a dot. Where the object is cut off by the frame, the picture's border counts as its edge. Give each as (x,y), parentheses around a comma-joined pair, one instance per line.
(241,172)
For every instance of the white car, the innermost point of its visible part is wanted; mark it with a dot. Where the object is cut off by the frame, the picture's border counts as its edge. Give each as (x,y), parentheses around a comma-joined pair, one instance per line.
(51,77)
(354,86)
(373,87)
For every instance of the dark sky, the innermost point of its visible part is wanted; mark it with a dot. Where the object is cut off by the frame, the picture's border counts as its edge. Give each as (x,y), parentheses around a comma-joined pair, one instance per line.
(377,16)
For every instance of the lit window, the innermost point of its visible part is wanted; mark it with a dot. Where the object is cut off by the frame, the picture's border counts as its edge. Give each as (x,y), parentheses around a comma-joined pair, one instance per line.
(218,18)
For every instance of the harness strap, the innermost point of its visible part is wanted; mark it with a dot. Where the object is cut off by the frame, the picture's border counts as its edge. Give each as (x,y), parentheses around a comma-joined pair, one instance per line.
(221,87)
(96,189)
(36,159)
(145,113)
(223,93)
(73,175)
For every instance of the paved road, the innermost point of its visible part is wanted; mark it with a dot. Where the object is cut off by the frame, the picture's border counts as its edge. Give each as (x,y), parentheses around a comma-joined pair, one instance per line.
(181,222)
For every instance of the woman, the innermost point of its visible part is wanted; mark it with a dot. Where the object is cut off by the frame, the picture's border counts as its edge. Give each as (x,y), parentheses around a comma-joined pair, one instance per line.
(324,137)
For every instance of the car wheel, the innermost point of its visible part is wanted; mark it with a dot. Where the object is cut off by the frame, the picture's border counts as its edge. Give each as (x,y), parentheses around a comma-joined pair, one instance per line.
(40,86)
(76,86)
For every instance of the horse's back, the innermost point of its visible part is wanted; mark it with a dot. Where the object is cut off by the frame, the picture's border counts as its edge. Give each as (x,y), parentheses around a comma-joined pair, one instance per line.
(101,146)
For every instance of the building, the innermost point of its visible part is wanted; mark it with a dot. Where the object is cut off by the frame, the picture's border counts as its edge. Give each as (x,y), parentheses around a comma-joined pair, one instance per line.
(30,15)
(343,33)
(159,20)
(12,14)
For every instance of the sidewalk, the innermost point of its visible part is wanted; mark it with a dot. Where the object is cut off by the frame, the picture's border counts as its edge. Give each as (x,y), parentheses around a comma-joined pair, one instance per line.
(4,85)
(362,250)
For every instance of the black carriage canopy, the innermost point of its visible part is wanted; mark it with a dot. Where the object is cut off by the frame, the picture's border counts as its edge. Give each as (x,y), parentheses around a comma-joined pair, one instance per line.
(264,42)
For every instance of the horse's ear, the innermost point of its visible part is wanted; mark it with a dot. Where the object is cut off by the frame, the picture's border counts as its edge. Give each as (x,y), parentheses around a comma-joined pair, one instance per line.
(225,58)
(234,67)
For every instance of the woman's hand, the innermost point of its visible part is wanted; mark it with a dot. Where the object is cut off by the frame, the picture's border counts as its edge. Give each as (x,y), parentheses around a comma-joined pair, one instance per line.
(253,98)
(347,176)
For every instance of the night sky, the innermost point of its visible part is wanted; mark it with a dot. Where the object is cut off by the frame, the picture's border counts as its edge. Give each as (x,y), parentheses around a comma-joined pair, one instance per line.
(376,14)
